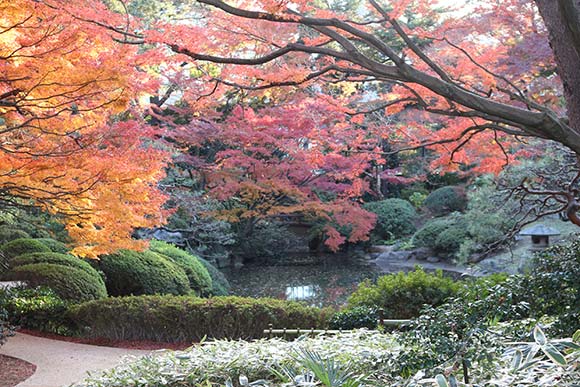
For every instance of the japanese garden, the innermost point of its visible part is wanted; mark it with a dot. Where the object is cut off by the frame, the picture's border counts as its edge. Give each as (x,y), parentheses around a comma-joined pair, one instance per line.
(274,193)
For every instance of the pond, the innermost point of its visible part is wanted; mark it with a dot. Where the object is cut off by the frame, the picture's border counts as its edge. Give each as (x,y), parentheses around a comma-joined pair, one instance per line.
(328,283)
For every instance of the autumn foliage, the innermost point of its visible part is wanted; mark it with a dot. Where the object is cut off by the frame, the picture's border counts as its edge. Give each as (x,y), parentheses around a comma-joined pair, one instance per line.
(71,142)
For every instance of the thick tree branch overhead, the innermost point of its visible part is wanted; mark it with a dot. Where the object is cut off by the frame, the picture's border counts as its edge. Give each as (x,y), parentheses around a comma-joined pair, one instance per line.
(389,64)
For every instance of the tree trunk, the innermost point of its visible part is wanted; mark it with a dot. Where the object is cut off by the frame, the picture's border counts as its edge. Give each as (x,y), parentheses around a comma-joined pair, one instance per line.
(562,19)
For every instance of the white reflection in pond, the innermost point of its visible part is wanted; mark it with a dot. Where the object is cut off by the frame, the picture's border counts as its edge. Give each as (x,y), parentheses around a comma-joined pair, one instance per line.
(296,293)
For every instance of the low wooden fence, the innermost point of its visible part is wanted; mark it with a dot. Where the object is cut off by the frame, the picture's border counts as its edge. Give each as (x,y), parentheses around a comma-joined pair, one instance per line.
(271,332)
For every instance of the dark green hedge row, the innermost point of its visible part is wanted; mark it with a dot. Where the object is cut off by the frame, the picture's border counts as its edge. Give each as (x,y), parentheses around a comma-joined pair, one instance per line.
(171,318)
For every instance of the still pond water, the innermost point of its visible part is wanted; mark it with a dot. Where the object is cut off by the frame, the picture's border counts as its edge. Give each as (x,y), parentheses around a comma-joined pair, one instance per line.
(328,283)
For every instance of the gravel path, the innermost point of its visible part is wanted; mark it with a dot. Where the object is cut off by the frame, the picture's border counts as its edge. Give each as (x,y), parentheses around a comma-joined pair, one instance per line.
(60,363)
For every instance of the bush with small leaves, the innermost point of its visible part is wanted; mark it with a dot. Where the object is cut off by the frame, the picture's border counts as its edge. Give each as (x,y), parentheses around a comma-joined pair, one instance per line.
(395,218)
(220,286)
(187,318)
(354,318)
(129,272)
(446,200)
(199,278)
(54,245)
(37,308)
(9,234)
(69,283)
(403,295)
(56,259)
(20,246)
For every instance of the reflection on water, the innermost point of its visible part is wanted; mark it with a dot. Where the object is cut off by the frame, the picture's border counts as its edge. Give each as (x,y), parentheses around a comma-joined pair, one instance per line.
(300,293)
(326,284)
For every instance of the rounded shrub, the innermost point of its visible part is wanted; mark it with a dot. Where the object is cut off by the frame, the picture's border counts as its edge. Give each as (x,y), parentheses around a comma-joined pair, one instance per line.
(18,247)
(199,278)
(446,200)
(69,283)
(395,218)
(355,318)
(171,318)
(220,286)
(56,259)
(427,235)
(130,272)
(54,245)
(403,295)
(21,246)
(9,234)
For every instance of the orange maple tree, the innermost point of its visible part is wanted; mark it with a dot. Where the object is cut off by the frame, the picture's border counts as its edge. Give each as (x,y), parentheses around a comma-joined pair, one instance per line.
(71,140)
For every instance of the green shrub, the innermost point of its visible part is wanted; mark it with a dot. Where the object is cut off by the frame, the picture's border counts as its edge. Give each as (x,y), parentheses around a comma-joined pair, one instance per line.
(355,318)
(446,200)
(56,259)
(39,309)
(403,295)
(21,246)
(199,278)
(220,285)
(54,245)
(186,318)
(427,235)
(450,240)
(130,272)
(69,283)
(6,329)
(395,218)
(553,286)
(9,234)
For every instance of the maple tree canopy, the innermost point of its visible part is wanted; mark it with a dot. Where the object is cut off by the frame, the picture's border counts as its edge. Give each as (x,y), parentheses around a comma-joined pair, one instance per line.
(63,145)
(487,76)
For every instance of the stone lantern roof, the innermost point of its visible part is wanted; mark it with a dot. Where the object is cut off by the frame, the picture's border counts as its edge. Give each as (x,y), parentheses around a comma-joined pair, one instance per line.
(540,230)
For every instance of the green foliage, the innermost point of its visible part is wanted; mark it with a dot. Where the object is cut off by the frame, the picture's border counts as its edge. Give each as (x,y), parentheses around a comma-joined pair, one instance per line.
(281,362)
(459,332)
(56,259)
(395,218)
(8,234)
(446,200)
(417,199)
(220,285)
(69,283)
(6,329)
(185,318)
(39,309)
(354,318)
(403,295)
(443,235)
(132,272)
(54,245)
(553,286)
(21,246)
(199,278)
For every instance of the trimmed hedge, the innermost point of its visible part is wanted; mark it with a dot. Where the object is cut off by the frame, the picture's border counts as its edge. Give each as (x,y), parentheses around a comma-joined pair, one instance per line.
(130,272)
(446,200)
(9,234)
(403,295)
(395,218)
(38,308)
(170,318)
(220,286)
(199,278)
(21,246)
(56,259)
(69,283)
(54,245)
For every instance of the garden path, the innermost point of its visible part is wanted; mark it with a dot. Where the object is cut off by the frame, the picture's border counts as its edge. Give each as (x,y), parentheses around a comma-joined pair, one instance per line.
(61,363)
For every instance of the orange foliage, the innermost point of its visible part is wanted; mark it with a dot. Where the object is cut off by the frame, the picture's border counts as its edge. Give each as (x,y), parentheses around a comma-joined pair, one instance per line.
(66,144)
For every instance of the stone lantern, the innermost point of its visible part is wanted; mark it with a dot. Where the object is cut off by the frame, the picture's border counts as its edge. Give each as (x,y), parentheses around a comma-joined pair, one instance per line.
(540,235)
